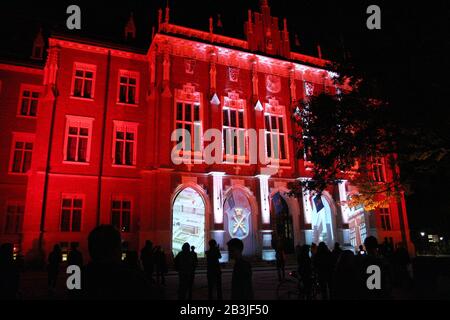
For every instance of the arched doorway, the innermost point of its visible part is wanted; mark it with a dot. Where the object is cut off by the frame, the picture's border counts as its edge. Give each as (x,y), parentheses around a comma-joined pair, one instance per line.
(238,219)
(283,223)
(323,221)
(188,221)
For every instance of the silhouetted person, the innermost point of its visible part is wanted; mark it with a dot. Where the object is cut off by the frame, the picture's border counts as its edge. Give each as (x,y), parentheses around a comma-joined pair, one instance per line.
(313,250)
(323,265)
(132,261)
(280,260)
(9,273)
(54,261)
(401,262)
(147,259)
(184,264)
(361,250)
(371,258)
(345,278)
(191,283)
(336,253)
(106,276)
(74,257)
(213,271)
(304,268)
(241,281)
(161,265)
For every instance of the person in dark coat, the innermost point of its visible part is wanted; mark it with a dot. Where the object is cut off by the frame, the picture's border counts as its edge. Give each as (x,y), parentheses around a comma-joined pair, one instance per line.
(161,265)
(241,281)
(185,265)
(191,283)
(345,278)
(280,260)
(147,259)
(74,257)
(54,261)
(304,269)
(374,258)
(335,254)
(323,265)
(106,276)
(9,273)
(213,271)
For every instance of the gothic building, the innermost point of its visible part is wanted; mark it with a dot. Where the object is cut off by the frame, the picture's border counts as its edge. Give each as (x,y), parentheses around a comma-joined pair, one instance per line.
(88,139)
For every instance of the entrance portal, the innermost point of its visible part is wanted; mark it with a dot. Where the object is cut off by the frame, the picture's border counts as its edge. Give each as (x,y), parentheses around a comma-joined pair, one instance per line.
(323,223)
(188,221)
(284,229)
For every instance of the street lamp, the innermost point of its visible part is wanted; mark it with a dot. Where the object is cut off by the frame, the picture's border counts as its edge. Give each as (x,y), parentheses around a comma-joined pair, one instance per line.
(422,234)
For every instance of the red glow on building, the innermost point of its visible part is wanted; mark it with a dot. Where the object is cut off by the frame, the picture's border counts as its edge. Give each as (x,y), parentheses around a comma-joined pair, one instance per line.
(87,141)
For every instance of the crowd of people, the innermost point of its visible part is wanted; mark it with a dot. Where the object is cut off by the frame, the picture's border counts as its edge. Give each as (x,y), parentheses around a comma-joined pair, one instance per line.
(343,274)
(115,272)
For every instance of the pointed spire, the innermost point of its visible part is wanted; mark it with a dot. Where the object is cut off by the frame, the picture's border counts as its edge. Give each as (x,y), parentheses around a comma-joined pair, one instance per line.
(219,21)
(159,19)
(258,106)
(38,46)
(319,51)
(211,25)
(297,40)
(130,28)
(167,17)
(215,100)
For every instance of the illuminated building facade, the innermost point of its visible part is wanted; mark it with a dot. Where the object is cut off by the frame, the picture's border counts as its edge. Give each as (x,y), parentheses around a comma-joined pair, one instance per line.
(87,140)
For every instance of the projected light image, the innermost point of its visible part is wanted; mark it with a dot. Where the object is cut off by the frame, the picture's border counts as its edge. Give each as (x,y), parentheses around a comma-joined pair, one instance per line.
(188,221)
(322,222)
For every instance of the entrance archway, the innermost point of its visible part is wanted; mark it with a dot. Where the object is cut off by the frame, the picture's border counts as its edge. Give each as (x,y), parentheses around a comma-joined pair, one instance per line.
(323,221)
(239,219)
(188,221)
(283,223)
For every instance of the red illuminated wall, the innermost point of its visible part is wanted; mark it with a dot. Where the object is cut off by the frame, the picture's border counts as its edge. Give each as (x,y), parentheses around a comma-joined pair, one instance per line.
(151,183)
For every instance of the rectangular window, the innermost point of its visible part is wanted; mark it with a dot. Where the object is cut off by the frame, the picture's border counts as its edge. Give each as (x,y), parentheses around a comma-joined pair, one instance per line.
(128,87)
(14,217)
(378,169)
(188,119)
(124,143)
(78,139)
(71,209)
(276,138)
(21,153)
(29,100)
(121,214)
(385,217)
(234,132)
(83,81)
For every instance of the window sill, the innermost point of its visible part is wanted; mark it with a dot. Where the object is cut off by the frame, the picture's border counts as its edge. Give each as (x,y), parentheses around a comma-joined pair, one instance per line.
(76,163)
(18,174)
(124,104)
(26,117)
(124,166)
(82,98)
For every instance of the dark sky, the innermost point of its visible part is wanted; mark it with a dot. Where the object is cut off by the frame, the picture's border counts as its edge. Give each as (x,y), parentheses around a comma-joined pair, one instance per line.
(410,55)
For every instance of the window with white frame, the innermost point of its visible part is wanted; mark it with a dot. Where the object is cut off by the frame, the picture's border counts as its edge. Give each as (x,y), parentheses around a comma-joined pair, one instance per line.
(78,139)
(275,136)
(124,143)
(71,210)
(121,214)
(378,169)
(14,217)
(83,80)
(29,100)
(234,126)
(128,87)
(188,119)
(385,218)
(21,153)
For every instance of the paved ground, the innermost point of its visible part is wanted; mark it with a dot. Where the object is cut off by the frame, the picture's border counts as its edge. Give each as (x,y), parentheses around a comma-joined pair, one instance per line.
(265,282)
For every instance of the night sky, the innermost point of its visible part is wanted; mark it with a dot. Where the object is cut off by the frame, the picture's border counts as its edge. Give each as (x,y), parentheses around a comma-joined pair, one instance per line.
(410,55)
